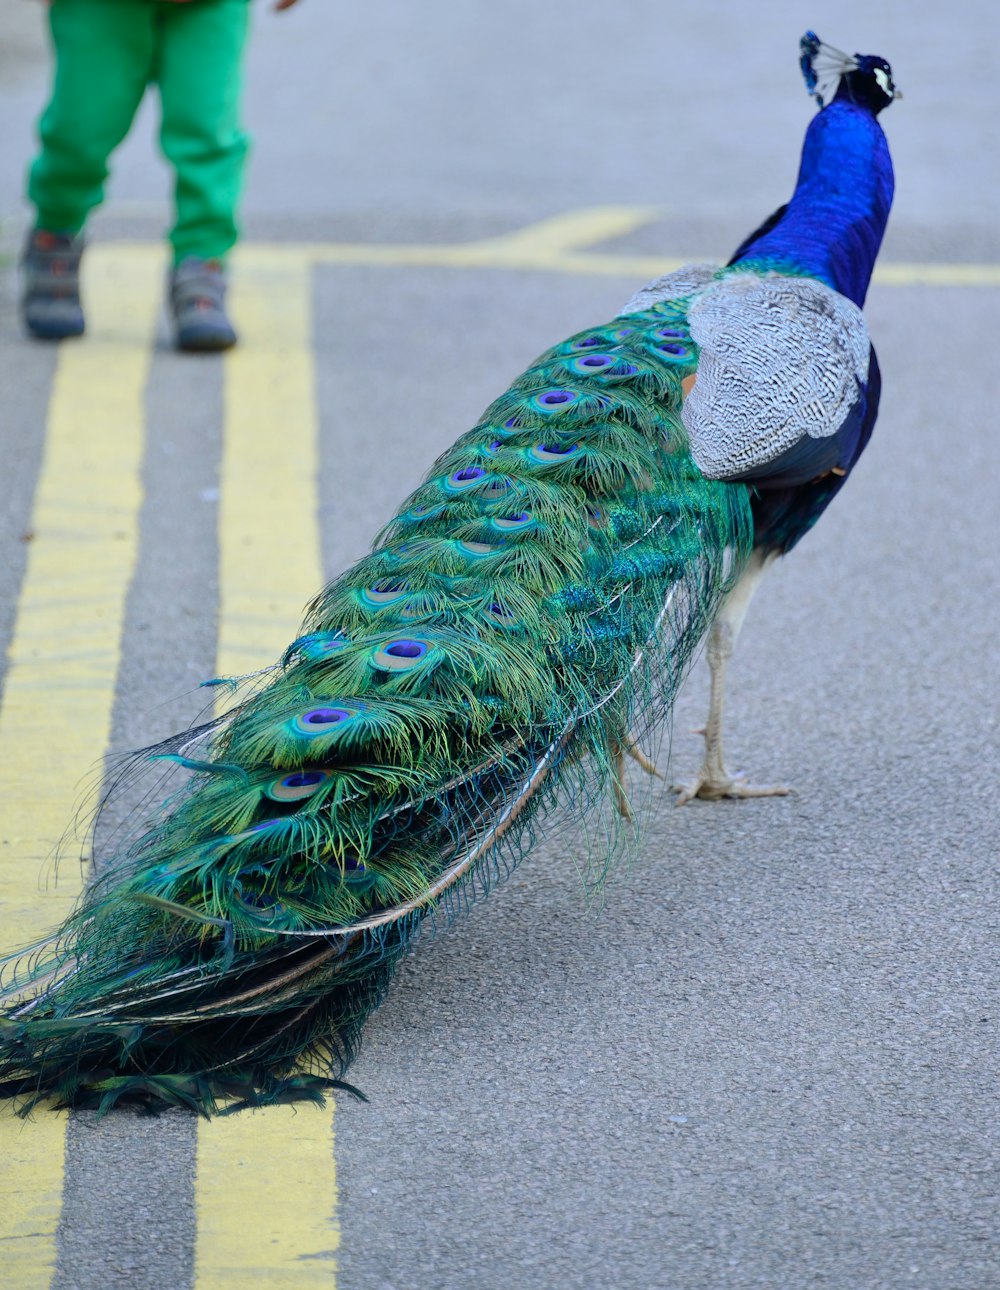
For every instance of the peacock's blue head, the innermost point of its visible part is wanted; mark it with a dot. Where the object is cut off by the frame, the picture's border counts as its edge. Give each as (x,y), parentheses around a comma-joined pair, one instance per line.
(864,79)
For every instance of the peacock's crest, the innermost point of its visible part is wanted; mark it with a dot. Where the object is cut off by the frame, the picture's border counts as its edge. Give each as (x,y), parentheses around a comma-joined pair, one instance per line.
(824,67)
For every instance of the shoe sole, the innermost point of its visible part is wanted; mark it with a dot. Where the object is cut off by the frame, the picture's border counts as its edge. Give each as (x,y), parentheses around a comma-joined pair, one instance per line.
(204,342)
(54,332)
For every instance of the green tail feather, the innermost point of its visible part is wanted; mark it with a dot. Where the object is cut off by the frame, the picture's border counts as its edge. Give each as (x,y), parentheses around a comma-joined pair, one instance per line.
(541,593)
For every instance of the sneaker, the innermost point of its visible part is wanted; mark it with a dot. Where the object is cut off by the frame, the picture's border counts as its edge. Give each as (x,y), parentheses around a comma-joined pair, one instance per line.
(50,295)
(198,306)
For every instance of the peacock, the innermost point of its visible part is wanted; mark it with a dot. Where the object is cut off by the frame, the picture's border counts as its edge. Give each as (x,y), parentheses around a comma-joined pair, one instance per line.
(520,627)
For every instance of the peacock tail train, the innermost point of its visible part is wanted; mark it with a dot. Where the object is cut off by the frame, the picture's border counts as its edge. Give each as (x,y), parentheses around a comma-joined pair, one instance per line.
(536,599)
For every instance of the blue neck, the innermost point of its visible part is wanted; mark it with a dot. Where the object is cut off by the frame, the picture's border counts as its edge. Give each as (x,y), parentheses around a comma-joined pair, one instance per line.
(833,226)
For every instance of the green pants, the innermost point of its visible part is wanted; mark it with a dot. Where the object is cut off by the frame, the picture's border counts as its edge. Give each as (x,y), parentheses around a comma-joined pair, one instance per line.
(106,53)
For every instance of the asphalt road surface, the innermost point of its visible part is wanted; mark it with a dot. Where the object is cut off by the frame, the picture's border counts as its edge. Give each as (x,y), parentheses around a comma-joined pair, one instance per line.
(769,1059)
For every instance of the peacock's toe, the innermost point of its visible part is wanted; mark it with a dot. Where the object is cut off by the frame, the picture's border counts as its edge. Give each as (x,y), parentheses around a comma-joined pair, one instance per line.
(714,788)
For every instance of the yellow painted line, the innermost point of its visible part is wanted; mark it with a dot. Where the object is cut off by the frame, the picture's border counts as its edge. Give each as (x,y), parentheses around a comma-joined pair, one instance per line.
(487,255)
(266,1196)
(31,1186)
(558,245)
(569,231)
(638,268)
(62,669)
(937,275)
(265,1184)
(269,556)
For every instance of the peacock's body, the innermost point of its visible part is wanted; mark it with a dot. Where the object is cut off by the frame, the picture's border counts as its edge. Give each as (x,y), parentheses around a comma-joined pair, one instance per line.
(535,601)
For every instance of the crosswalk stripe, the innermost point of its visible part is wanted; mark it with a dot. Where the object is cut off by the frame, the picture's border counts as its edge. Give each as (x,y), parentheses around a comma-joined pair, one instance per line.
(62,668)
(265,1187)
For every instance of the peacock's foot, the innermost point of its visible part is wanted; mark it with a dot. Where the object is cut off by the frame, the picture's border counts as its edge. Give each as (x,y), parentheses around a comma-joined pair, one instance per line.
(713,787)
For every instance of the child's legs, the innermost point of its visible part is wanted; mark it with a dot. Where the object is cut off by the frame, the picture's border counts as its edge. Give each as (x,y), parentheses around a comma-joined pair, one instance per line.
(103,63)
(200,79)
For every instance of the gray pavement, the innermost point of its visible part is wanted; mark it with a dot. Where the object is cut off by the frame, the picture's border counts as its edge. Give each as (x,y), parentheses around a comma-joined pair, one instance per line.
(770,1059)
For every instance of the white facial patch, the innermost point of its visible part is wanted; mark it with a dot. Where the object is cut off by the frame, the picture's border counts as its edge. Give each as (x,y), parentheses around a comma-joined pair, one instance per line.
(882,80)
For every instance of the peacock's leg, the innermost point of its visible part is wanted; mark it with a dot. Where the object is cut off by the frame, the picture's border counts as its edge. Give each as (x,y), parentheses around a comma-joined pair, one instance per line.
(631,747)
(713,781)
(623,746)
